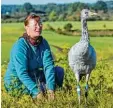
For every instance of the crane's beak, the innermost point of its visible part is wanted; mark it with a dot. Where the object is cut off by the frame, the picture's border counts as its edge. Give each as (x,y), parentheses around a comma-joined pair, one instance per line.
(92,13)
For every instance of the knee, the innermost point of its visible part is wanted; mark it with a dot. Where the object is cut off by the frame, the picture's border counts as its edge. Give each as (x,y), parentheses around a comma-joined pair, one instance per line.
(59,71)
(59,75)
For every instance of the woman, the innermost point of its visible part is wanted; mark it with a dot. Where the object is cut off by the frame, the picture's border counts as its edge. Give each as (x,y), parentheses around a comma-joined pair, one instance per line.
(31,64)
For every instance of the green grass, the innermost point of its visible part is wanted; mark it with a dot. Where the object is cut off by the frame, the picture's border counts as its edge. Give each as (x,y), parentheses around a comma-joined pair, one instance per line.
(12,31)
(92,25)
(8,39)
(101,81)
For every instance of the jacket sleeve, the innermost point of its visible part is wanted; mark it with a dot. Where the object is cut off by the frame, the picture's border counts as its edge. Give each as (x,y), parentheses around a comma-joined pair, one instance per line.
(48,64)
(21,61)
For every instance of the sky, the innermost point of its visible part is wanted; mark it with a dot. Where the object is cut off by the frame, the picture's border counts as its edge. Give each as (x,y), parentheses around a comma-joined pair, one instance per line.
(45,1)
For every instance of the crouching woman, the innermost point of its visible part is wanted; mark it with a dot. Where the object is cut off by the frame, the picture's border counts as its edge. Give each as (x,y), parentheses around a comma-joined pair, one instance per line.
(31,67)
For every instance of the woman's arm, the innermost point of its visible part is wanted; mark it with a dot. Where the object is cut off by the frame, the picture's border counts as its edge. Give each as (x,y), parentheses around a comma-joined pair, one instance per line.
(21,65)
(48,64)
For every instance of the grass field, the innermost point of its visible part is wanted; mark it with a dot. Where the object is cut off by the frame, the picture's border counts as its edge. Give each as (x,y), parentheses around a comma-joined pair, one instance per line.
(101,81)
(92,25)
(11,32)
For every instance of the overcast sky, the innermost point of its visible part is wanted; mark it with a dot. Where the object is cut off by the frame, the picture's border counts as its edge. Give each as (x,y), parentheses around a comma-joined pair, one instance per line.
(45,1)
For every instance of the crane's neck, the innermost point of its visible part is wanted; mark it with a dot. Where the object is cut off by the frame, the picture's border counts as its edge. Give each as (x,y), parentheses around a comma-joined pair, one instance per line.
(85,35)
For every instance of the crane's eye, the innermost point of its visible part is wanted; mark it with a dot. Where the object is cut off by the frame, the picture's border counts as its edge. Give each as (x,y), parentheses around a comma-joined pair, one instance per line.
(86,12)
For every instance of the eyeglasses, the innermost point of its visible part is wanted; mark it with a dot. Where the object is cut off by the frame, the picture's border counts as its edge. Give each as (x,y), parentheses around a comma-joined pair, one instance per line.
(36,18)
(34,25)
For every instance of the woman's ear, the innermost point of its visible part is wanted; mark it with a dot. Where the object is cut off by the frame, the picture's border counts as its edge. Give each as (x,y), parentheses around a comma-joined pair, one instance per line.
(27,29)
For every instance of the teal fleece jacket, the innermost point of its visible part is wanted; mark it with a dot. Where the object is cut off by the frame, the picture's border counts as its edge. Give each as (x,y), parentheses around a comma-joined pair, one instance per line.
(25,63)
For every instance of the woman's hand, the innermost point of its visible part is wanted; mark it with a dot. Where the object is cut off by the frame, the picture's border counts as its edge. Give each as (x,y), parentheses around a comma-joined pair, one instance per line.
(40,96)
(51,95)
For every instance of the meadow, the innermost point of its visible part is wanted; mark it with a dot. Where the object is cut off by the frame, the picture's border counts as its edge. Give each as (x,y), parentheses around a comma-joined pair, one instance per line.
(92,25)
(101,81)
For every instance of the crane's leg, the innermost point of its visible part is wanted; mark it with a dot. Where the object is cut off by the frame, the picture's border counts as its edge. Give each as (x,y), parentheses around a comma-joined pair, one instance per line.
(87,86)
(78,86)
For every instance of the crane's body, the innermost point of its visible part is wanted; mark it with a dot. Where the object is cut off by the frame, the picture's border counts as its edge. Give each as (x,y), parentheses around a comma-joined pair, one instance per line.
(82,56)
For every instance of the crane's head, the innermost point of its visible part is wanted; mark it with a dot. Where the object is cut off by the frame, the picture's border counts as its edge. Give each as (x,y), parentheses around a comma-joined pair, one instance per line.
(85,14)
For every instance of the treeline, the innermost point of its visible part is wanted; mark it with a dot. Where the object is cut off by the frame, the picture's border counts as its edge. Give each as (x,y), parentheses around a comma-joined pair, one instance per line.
(57,12)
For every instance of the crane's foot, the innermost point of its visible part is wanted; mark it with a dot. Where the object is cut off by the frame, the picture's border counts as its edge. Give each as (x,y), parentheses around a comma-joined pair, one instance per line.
(79,93)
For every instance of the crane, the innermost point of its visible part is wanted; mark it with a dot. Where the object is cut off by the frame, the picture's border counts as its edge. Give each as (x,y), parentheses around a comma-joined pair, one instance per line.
(82,56)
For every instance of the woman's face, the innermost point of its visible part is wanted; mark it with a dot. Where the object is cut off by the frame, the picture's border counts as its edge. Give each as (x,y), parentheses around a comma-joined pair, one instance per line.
(34,28)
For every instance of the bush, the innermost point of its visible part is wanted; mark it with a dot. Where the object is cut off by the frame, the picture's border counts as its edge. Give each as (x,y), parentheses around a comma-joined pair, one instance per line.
(59,30)
(68,27)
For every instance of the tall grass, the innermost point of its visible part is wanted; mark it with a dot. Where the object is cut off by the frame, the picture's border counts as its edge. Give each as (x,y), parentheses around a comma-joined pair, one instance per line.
(101,80)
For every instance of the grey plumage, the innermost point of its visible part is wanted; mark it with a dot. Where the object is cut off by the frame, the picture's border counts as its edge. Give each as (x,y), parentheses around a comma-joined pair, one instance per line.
(82,56)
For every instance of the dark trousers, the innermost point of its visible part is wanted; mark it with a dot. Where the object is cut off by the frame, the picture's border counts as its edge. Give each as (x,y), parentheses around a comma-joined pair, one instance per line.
(59,76)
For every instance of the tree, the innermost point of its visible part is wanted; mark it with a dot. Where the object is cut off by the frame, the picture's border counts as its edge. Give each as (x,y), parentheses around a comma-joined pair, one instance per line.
(28,7)
(52,16)
(68,27)
(62,17)
(101,5)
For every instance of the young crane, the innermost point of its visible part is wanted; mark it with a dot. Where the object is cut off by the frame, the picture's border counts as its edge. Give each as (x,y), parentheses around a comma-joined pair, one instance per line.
(82,56)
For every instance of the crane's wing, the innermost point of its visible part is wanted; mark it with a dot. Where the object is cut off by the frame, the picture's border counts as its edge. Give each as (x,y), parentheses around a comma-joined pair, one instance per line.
(82,54)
